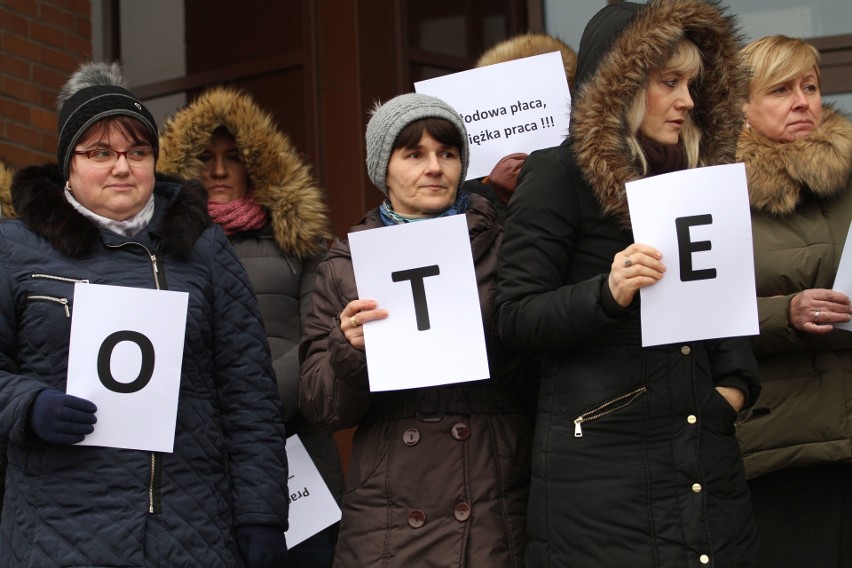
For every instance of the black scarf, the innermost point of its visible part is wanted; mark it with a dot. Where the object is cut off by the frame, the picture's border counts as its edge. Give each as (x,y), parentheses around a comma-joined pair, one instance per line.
(662,158)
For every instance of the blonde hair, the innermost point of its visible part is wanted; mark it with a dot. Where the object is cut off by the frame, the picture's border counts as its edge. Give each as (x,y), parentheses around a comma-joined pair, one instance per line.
(687,60)
(776,59)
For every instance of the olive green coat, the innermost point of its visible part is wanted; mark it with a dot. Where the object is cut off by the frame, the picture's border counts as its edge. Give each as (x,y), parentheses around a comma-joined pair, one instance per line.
(801,199)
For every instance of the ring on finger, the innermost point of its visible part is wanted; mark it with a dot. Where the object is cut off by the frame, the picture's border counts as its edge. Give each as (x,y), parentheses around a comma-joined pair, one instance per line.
(816,316)
(354,322)
(627,262)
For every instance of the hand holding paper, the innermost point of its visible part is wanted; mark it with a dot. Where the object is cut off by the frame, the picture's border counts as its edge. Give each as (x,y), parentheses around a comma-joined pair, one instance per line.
(637,266)
(817,310)
(354,316)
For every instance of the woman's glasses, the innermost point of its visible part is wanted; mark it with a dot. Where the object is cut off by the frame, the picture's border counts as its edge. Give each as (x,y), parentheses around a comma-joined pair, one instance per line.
(105,158)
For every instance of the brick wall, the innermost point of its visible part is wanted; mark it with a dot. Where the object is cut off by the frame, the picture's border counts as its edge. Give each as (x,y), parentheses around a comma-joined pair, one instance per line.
(41,44)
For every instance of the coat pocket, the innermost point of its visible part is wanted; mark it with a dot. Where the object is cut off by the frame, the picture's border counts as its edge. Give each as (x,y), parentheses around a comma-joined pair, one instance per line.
(606,408)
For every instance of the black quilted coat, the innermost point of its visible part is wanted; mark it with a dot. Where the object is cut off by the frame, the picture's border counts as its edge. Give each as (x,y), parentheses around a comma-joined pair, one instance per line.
(93,506)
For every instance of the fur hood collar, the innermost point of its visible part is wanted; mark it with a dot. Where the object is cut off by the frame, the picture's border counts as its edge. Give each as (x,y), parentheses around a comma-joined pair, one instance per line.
(528,45)
(6,173)
(39,199)
(780,173)
(614,62)
(282,182)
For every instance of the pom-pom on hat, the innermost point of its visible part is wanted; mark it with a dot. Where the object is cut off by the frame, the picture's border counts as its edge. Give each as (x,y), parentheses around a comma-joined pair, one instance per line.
(94,92)
(391,118)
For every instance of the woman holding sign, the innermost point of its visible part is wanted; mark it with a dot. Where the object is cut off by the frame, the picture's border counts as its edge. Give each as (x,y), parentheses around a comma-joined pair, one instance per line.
(439,475)
(100,217)
(797,439)
(635,458)
(262,194)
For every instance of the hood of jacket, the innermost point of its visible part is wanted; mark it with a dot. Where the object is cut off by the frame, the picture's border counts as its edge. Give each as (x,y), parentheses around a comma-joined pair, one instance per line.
(528,45)
(280,179)
(781,173)
(621,45)
(6,173)
(38,197)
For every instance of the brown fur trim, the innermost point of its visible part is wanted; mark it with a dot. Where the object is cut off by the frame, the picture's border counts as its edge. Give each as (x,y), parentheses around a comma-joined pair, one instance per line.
(779,172)
(527,45)
(598,124)
(282,181)
(7,171)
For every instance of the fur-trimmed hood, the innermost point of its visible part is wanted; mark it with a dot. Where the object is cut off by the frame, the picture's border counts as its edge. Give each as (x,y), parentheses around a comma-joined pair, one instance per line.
(780,173)
(281,181)
(528,45)
(38,197)
(620,47)
(7,171)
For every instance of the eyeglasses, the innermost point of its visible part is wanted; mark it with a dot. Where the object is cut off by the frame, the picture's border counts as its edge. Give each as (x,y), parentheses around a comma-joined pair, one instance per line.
(105,158)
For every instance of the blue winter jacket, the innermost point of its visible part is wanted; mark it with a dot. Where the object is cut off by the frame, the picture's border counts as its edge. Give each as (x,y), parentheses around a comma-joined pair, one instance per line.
(95,506)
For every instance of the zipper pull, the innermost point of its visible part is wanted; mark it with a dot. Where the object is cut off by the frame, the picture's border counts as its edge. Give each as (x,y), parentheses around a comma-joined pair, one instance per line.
(64,302)
(154,262)
(578,430)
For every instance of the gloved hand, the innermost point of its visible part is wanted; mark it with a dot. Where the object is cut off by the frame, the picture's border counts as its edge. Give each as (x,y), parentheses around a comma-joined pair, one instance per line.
(262,546)
(60,418)
(504,177)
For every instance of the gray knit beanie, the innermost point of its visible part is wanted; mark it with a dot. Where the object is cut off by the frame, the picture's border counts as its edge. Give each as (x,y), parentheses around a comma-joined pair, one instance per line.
(94,92)
(389,119)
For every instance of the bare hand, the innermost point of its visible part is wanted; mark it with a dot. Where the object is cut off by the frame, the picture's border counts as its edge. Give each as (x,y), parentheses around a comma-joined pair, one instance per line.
(637,266)
(817,309)
(734,396)
(354,316)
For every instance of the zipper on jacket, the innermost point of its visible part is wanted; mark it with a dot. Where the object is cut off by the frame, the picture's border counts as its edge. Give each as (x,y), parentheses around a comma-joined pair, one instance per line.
(607,407)
(153,258)
(55,299)
(61,278)
(156,470)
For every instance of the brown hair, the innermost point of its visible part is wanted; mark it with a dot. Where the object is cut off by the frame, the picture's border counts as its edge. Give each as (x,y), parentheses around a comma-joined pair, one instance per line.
(440,129)
(130,129)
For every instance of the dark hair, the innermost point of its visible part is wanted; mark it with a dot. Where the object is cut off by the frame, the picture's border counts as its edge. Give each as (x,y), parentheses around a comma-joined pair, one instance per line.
(131,130)
(441,130)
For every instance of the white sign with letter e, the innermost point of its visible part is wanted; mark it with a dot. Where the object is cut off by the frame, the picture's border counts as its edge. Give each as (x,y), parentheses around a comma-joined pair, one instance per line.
(125,355)
(312,506)
(700,221)
(422,274)
(516,106)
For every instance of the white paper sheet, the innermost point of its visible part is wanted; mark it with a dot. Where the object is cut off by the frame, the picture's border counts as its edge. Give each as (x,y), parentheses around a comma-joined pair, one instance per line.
(128,339)
(445,342)
(843,279)
(516,106)
(312,506)
(704,293)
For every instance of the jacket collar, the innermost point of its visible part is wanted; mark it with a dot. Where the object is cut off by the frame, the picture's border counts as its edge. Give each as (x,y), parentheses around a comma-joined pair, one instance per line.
(38,197)
(780,174)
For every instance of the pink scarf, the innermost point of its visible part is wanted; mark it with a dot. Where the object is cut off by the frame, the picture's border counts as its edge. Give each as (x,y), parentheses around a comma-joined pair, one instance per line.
(243,214)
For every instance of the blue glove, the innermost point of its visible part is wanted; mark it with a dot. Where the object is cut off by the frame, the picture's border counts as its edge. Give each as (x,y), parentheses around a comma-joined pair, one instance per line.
(262,546)
(60,418)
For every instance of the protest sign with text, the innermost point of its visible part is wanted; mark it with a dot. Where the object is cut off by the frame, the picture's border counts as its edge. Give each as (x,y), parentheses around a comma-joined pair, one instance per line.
(516,106)
(312,506)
